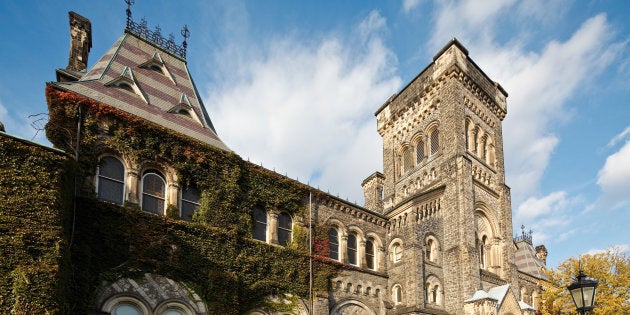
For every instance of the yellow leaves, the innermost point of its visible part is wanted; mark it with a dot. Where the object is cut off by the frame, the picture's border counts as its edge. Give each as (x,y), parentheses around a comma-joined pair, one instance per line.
(611,268)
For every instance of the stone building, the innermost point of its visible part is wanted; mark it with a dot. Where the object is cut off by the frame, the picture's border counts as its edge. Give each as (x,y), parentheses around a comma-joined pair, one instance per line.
(433,237)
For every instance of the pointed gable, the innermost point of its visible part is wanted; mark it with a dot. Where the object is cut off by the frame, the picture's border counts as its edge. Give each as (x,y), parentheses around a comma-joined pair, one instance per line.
(140,78)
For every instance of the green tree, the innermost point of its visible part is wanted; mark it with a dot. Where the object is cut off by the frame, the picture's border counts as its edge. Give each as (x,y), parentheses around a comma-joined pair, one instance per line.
(611,268)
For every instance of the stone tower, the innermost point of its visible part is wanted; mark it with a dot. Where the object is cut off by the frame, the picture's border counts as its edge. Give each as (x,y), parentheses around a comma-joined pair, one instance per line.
(444,183)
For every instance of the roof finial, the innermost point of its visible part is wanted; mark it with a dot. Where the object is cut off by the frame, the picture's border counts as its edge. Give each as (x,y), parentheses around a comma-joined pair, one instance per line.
(129,4)
(186,34)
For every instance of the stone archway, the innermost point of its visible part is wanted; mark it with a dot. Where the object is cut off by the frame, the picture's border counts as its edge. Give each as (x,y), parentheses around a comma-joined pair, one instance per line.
(351,307)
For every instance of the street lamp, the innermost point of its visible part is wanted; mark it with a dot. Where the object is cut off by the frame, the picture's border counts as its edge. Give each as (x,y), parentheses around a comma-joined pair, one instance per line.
(583,293)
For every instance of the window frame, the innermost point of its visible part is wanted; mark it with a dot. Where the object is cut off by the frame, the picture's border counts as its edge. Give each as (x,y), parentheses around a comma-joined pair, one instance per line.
(284,229)
(144,195)
(99,178)
(257,223)
(183,201)
(330,244)
(396,252)
(353,251)
(370,254)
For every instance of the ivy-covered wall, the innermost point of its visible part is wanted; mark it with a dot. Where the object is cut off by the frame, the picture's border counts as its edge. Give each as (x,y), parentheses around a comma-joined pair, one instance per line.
(215,255)
(36,186)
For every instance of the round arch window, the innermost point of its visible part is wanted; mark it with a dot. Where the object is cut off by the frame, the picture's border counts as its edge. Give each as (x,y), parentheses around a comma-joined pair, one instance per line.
(153,193)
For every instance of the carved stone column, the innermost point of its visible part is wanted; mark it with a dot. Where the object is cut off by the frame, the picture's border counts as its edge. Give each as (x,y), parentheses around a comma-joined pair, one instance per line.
(272,228)
(132,186)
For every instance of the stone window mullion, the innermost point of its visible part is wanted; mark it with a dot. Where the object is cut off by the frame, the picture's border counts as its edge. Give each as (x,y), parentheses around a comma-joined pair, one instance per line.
(272,228)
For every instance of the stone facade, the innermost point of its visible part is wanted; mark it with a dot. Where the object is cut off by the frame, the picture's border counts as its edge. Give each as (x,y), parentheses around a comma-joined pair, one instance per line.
(435,234)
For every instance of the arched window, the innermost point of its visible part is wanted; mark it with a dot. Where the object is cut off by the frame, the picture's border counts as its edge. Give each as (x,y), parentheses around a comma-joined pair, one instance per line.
(408,158)
(352,248)
(126,309)
(419,152)
(190,202)
(260,224)
(467,127)
(397,294)
(482,252)
(333,243)
(369,253)
(111,180)
(432,251)
(153,192)
(435,141)
(396,253)
(285,226)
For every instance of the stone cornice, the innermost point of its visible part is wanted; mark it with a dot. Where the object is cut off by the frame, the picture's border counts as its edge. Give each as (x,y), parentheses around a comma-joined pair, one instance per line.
(353,211)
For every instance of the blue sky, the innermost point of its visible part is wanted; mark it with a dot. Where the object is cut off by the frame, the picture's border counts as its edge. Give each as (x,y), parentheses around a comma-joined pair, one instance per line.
(294,86)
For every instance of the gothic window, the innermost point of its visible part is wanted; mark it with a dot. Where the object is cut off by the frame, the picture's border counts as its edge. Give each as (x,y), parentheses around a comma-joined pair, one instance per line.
(429,249)
(126,309)
(467,127)
(397,294)
(369,253)
(153,192)
(260,224)
(285,226)
(352,248)
(419,152)
(111,180)
(435,141)
(408,159)
(396,253)
(484,151)
(190,202)
(333,243)
(482,252)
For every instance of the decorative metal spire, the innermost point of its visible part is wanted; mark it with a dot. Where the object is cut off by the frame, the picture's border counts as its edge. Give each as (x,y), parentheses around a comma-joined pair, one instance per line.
(142,30)
(186,34)
(129,4)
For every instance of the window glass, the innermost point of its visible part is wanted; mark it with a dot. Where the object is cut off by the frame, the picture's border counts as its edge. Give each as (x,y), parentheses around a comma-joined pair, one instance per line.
(398,294)
(285,226)
(396,253)
(435,141)
(190,202)
(369,253)
(111,180)
(260,224)
(333,244)
(408,159)
(153,193)
(126,309)
(429,250)
(172,311)
(352,248)
(419,152)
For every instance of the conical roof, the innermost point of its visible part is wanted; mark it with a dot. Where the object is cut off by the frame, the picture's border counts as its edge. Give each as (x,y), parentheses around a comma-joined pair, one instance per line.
(140,77)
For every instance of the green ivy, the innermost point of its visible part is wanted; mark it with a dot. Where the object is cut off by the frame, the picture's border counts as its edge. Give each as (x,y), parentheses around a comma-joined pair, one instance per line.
(215,254)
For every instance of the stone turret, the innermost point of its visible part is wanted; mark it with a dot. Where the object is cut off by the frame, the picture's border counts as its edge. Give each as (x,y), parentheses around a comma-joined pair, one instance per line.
(541,253)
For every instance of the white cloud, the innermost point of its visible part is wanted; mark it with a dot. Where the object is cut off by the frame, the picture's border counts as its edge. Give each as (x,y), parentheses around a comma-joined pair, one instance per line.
(614,179)
(409,5)
(622,135)
(305,108)
(546,214)
(620,248)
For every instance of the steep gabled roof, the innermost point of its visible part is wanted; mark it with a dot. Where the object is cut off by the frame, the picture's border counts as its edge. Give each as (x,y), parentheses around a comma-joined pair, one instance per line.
(139,77)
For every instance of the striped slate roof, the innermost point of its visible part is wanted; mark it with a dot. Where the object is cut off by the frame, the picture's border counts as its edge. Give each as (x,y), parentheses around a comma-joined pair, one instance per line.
(140,78)
(526,261)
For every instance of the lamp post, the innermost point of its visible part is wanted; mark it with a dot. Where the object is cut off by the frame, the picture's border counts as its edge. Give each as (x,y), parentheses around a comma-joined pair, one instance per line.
(583,293)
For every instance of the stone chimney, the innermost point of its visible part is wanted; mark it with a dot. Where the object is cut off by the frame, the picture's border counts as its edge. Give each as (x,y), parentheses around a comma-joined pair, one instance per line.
(80,42)
(373,192)
(541,253)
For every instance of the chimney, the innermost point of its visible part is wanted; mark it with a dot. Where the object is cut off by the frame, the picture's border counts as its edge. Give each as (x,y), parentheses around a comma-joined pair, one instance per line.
(80,42)
(541,253)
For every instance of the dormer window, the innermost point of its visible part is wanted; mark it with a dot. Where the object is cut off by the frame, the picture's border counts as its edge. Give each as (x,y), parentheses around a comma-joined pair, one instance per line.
(126,86)
(184,112)
(156,68)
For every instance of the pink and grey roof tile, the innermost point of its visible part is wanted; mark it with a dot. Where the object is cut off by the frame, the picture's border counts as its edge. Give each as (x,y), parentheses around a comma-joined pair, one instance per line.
(159,91)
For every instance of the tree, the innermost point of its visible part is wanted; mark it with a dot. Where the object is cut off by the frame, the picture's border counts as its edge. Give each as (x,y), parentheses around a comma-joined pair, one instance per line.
(611,268)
